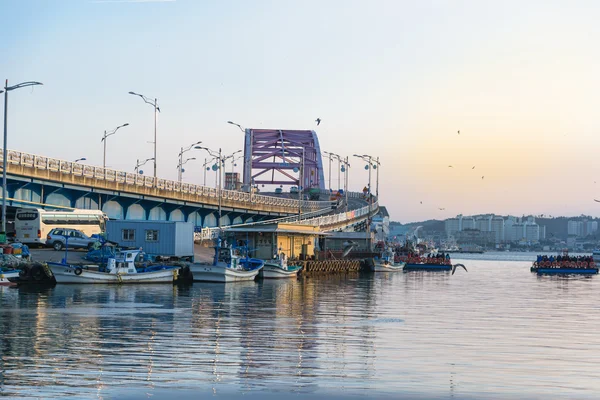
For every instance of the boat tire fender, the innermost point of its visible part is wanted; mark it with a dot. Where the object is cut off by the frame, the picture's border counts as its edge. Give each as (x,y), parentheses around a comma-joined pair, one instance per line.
(78,271)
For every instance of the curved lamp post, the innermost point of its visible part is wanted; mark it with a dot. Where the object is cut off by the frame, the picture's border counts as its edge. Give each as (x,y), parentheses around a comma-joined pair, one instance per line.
(180,167)
(80,159)
(6,90)
(104,140)
(369,159)
(219,158)
(156,108)
(138,164)
(181,162)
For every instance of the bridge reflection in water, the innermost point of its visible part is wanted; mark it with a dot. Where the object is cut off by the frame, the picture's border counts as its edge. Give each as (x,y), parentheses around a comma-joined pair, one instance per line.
(101,340)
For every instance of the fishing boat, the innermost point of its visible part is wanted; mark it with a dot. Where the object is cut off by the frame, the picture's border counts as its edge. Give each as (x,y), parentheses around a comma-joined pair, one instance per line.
(8,276)
(564,265)
(432,263)
(386,263)
(279,268)
(119,269)
(228,266)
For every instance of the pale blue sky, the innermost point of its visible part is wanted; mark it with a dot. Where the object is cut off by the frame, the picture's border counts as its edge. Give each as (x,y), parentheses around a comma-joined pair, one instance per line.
(394,79)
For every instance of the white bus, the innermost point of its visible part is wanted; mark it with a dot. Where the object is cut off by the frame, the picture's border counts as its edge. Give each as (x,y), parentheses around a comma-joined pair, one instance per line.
(33,224)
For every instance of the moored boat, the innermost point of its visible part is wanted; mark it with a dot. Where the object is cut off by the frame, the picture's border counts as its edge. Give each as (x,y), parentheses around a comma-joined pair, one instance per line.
(386,263)
(279,268)
(564,264)
(227,266)
(432,263)
(8,276)
(119,269)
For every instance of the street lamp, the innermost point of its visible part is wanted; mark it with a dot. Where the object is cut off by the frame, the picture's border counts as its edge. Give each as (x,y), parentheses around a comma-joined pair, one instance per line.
(329,156)
(247,171)
(80,159)
(156,108)
(345,169)
(179,166)
(232,156)
(6,90)
(104,140)
(219,163)
(204,166)
(238,125)
(138,164)
(369,159)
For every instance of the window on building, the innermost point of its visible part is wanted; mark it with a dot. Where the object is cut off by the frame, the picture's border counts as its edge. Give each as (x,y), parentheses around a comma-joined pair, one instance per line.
(128,235)
(151,235)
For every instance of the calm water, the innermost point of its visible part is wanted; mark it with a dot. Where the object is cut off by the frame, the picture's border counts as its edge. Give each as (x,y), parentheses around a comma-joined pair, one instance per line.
(497,331)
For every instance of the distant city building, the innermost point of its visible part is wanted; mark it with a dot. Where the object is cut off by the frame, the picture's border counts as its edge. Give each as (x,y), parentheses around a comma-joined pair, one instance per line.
(498,229)
(494,229)
(453,225)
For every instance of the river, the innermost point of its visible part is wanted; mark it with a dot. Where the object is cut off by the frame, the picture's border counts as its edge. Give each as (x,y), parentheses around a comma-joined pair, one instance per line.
(496,331)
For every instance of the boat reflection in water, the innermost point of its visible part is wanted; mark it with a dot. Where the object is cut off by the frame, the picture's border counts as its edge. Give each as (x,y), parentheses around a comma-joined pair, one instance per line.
(105,340)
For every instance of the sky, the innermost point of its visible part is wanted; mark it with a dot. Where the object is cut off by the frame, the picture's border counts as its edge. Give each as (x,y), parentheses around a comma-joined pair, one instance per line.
(396,80)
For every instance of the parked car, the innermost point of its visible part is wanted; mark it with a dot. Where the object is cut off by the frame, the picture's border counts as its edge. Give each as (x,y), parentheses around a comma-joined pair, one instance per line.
(57,238)
(278,190)
(294,189)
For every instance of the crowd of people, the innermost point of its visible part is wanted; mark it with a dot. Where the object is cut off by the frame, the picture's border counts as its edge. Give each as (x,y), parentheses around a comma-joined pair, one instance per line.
(564,261)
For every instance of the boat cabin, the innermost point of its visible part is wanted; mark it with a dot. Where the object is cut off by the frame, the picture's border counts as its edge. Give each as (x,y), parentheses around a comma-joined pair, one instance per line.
(122,263)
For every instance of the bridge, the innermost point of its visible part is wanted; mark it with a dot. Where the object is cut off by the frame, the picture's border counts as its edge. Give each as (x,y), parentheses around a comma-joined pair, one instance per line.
(35,180)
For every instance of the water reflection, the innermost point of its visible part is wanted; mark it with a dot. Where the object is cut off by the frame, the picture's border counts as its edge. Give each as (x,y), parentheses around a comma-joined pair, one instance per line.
(417,333)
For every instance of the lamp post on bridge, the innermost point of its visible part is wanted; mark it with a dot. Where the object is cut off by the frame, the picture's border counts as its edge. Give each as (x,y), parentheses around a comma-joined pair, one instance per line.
(156,109)
(345,169)
(4,152)
(80,159)
(180,167)
(181,162)
(232,156)
(329,156)
(369,159)
(219,158)
(138,164)
(247,161)
(104,140)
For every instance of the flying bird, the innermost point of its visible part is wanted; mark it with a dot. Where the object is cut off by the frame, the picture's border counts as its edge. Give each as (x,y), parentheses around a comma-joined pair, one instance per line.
(348,246)
(482,177)
(459,132)
(318,121)
(450,166)
(458,265)
(597,201)
(473,167)
(421,202)
(442,209)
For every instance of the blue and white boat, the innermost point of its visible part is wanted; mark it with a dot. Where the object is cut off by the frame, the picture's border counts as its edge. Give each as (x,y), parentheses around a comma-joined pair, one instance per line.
(229,265)
(8,276)
(279,268)
(119,269)
(386,263)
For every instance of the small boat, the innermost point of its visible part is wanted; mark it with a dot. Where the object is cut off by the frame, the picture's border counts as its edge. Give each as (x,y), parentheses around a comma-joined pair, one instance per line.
(279,268)
(550,265)
(433,263)
(8,276)
(228,266)
(386,263)
(119,269)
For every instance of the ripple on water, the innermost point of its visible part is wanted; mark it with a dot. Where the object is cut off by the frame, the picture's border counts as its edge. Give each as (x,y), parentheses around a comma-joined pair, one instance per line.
(497,331)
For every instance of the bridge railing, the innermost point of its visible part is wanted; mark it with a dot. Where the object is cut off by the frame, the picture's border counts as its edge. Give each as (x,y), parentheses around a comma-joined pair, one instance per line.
(209,233)
(136,180)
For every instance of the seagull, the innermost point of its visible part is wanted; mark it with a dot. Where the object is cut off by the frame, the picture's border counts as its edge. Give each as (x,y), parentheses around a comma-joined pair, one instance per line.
(421,202)
(348,246)
(442,209)
(318,121)
(597,201)
(458,265)
(450,166)
(482,177)
(473,167)
(459,132)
